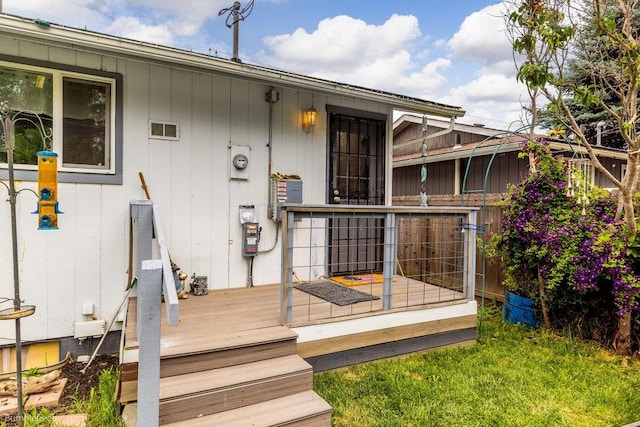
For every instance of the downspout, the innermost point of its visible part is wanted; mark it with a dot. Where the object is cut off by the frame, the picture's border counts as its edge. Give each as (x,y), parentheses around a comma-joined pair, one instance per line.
(457,167)
(456,177)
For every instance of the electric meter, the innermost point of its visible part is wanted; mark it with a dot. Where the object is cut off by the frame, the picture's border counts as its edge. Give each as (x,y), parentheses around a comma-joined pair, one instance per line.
(240,161)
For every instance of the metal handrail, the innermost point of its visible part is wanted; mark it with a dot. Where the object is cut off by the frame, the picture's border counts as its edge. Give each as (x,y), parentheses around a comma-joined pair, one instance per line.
(390,214)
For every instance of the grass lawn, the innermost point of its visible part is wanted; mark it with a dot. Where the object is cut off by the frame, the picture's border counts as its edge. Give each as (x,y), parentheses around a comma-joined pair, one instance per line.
(513,376)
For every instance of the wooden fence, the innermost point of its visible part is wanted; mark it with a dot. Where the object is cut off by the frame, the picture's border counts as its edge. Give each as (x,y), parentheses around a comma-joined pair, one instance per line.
(489,275)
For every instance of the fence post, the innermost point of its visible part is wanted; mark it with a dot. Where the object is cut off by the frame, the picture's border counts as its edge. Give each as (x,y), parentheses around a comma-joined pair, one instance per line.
(149,302)
(389,260)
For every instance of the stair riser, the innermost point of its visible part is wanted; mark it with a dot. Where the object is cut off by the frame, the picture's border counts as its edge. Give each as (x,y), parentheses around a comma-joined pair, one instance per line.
(213,360)
(224,358)
(215,401)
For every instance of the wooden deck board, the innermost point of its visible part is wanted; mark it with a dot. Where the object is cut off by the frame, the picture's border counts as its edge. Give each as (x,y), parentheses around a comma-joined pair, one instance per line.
(226,316)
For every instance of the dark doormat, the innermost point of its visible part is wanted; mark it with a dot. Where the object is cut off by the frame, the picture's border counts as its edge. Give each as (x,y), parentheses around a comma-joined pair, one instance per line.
(335,293)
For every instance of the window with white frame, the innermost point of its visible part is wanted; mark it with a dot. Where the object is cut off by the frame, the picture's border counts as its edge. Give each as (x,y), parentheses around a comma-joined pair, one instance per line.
(69,112)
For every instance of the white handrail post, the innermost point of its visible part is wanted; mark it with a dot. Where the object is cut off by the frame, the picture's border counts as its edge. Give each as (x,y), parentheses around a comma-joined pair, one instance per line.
(142,218)
(149,302)
(153,275)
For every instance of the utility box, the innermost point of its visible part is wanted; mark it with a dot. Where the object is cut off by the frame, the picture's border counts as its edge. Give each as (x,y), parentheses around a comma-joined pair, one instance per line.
(283,190)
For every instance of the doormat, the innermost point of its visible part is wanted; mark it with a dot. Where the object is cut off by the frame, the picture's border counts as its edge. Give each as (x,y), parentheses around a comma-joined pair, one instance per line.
(335,293)
(359,279)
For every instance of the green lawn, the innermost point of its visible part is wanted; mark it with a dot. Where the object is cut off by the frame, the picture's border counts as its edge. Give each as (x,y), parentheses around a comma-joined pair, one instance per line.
(513,376)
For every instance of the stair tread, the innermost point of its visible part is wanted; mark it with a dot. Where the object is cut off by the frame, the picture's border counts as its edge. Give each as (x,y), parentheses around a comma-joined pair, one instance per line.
(207,342)
(181,386)
(281,411)
(187,384)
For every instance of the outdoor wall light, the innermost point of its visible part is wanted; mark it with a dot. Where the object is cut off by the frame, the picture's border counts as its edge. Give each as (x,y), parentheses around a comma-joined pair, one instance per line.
(309,119)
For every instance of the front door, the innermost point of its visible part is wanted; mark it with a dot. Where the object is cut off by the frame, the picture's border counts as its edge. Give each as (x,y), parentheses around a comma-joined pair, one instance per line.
(356,177)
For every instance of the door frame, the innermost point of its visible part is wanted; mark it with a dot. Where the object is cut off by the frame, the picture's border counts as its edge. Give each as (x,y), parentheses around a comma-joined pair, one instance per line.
(356,245)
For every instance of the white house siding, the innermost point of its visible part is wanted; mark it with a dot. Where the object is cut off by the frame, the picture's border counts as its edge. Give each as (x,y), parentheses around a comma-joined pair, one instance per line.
(87,258)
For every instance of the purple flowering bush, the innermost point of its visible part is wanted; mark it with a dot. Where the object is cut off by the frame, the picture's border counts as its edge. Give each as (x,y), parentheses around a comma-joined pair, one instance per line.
(568,242)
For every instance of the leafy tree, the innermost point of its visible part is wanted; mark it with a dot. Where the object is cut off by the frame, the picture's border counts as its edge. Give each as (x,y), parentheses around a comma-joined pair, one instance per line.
(551,27)
(584,62)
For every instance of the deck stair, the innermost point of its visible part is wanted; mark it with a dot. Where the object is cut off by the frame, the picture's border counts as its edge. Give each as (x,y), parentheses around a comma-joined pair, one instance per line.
(228,376)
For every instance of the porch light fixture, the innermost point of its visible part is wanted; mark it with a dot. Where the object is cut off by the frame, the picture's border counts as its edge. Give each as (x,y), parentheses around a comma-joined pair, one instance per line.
(309,119)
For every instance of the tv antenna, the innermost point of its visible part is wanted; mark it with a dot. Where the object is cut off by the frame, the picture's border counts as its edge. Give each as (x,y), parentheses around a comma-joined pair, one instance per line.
(235,14)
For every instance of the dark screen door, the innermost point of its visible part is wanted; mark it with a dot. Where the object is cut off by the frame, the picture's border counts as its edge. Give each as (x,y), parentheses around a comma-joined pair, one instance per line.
(356,177)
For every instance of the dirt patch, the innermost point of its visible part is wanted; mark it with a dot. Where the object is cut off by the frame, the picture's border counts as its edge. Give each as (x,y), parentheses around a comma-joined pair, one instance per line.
(79,384)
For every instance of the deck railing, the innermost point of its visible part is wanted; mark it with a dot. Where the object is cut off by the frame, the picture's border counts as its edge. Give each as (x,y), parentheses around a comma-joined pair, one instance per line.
(402,257)
(152,266)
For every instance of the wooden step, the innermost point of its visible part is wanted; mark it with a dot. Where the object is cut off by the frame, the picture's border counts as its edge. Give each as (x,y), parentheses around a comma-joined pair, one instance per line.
(204,353)
(305,409)
(234,349)
(202,393)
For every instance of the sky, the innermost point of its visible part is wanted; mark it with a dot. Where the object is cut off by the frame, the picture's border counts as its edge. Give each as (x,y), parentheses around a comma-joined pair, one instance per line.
(449,51)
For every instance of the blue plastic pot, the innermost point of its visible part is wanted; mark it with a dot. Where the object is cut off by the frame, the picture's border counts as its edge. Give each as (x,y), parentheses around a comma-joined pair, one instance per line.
(517,309)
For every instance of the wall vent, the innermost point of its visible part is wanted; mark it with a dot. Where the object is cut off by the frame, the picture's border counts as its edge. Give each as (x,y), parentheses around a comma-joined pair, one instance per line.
(164,130)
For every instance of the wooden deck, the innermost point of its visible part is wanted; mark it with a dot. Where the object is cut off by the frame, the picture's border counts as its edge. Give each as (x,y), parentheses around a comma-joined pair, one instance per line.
(226,356)
(225,315)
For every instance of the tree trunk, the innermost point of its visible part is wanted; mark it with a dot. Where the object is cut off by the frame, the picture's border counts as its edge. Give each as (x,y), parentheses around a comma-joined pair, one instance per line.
(543,300)
(622,340)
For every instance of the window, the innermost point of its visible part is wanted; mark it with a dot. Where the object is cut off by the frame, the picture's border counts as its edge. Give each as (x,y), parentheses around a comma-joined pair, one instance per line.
(164,130)
(66,111)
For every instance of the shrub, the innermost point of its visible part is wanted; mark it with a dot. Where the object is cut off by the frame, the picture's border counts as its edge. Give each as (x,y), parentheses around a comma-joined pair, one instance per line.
(561,245)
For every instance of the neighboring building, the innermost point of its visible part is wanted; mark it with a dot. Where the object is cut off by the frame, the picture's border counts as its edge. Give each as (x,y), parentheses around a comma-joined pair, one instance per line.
(487,157)
(473,165)
(207,134)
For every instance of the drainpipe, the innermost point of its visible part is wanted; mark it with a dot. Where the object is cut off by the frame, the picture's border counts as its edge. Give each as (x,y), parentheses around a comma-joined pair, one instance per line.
(456,168)
(456,178)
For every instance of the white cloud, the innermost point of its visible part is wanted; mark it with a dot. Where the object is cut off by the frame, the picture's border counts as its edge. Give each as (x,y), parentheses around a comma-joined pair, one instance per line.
(492,99)
(132,28)
(349,50)
(341,44)
(482,38)
(76,13)
(182,17)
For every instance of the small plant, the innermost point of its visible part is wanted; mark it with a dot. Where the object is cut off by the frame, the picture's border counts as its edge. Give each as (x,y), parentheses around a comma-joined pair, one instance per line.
(103,410)
(33,372)
(38,418)
(78,405)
